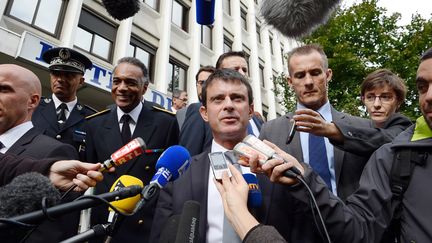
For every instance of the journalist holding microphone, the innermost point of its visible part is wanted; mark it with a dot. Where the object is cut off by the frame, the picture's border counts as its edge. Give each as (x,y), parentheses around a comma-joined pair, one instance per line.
(381,199)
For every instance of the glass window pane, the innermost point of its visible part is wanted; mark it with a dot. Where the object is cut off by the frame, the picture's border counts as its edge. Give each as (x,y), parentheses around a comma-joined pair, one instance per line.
(181,79)
(24,9)
(170,76)
(48,21)
(177,14)
(152,3)
(83,39)
(130,50)
(101,46)
(226,7)
(206,36)
(143,56)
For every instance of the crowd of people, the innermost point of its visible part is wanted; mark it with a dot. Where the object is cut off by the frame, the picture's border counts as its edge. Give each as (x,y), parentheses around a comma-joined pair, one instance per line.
(369,176)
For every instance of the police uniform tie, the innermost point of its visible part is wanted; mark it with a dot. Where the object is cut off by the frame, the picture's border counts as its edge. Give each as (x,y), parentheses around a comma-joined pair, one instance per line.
(61,114)
(318,158)
(228,232)
(125,132)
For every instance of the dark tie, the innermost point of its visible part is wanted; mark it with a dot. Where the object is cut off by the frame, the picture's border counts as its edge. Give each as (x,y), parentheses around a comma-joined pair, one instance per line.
(125,132)
(318,158)
(61,114)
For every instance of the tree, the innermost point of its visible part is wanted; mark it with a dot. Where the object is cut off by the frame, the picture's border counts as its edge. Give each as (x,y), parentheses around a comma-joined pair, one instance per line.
(361,39)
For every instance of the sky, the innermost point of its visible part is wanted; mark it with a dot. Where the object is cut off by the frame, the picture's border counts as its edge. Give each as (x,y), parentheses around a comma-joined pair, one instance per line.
(405,7)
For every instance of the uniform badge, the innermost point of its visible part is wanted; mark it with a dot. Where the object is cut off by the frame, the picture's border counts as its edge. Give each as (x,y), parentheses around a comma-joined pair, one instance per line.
(64,54)
(79,107)
(47,100)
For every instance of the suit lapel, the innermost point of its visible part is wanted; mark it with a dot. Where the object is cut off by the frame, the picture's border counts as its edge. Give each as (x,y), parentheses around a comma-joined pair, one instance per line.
(338,154)
(75,117)
(20,145)
(145,126)
(48,112)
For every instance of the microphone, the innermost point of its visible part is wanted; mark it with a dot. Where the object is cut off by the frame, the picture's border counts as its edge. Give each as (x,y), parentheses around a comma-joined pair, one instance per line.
(254,195)
(205,12)
(79,204)
(172,163)
(259,145)
(126,205)
(24,194)
(189,223)
(121,9)
(297,18)
(129,151)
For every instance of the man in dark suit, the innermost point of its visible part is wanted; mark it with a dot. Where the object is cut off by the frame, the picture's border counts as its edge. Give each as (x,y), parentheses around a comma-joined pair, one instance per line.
(62,116)
(195,134)
(110,130)
(227,107)
(20,95)
(341,170)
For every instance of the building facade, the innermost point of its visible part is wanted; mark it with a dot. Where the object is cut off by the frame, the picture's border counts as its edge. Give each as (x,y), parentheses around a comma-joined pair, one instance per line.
(163,34)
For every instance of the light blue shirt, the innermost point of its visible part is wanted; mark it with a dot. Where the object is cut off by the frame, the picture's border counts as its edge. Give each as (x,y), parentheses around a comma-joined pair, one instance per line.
(325,112)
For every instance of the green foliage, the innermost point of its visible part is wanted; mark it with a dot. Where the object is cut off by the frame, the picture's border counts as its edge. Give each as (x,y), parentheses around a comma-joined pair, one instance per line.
(361,39)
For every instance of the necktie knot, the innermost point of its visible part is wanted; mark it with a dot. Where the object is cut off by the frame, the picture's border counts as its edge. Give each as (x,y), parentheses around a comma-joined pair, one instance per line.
(125,131)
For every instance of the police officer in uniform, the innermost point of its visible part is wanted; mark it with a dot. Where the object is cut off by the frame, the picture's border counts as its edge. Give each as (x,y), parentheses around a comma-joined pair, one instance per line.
(62,116)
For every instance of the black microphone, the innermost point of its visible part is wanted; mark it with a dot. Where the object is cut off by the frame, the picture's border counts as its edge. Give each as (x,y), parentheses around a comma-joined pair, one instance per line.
(79,204)
(24,194)
(121,9)
(297,18)
(205,12)
(188,228)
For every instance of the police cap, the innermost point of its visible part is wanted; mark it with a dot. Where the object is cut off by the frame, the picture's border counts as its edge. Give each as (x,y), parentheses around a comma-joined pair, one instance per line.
(66,60)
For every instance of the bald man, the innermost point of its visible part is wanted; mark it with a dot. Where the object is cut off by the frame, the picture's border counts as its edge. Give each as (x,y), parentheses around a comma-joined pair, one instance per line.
(20,92)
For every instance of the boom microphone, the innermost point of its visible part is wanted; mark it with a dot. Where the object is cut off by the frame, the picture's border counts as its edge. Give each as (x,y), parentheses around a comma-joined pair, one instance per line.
(189,223)
(297,18)
(254,196)
(24,194)
(205,12)
(129,151)
(121,9)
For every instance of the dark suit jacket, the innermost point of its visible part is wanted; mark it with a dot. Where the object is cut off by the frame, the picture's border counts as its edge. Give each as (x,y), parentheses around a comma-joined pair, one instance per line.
(11,166)
(73,132)
(35,145)
(193,185)
(348,168)
(196,135)
(159,130)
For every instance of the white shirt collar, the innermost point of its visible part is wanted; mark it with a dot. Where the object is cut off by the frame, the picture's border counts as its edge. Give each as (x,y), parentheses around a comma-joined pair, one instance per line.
(134,114)
(324,110)
(12,135)
(70,104)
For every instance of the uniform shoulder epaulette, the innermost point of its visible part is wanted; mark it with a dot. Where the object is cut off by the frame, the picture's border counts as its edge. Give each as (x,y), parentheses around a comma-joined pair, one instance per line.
(164,110)
(97,114)
(91,108)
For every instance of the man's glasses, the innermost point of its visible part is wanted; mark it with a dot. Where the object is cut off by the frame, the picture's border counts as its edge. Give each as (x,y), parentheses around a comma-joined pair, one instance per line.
(384,98)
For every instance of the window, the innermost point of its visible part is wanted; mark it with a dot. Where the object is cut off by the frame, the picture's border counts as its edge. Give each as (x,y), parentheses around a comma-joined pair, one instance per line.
(258,32)
(176,76)
(34,13)
(179,15)
(226,5)
(206,36)
(243,18)
(227,47)
(154,4)
(261,75)
(144,53)
(95,35)
(271,45)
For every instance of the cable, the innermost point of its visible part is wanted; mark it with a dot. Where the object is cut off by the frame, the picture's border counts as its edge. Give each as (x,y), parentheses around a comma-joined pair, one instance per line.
(312,197)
